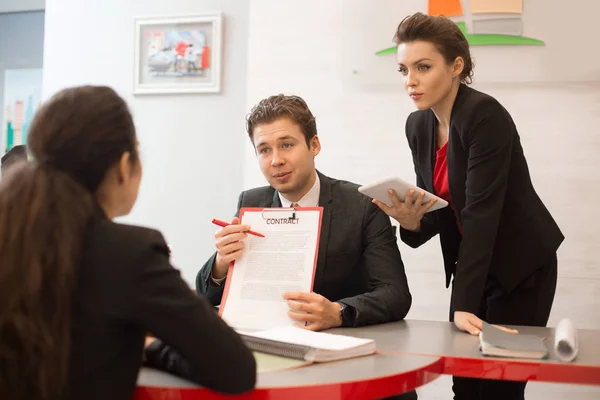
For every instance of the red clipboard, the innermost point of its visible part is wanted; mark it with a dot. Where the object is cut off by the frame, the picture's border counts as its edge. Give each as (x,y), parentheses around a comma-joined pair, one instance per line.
(275,210)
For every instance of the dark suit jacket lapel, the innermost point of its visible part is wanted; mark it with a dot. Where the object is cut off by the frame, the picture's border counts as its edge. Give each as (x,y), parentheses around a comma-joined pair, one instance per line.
(276,200)
(325,201)
(454,140)
(430,148)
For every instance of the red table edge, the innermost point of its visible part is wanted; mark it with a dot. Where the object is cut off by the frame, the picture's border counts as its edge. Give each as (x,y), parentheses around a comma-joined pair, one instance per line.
(509,369)
(519,370)
(378,387)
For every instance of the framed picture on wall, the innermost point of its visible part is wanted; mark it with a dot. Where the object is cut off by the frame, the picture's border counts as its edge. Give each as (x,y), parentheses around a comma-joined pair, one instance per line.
(178,54)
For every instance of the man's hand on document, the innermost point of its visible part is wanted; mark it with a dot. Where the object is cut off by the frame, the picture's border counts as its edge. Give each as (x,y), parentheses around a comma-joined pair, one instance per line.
(230,244)
(313,308)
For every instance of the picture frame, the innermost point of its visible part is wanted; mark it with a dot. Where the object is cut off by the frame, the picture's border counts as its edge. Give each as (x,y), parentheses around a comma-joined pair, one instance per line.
(178,54)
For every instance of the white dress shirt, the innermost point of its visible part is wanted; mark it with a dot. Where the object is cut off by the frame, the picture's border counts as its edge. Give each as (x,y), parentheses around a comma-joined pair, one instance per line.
(310,199)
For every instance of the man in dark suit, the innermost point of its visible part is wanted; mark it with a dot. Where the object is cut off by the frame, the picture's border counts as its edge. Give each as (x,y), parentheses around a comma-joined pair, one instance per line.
(360,278)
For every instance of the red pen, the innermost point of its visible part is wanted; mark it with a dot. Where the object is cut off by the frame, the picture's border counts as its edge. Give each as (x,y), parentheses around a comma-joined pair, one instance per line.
(224,224)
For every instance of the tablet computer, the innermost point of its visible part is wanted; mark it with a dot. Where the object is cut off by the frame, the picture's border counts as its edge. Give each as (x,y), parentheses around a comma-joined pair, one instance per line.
(379,191)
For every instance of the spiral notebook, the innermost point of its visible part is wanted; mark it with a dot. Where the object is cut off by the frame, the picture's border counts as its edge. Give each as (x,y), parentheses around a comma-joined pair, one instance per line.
(302,344)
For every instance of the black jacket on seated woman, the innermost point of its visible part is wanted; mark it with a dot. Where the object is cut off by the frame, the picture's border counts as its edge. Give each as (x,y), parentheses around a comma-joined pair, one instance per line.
(78,292)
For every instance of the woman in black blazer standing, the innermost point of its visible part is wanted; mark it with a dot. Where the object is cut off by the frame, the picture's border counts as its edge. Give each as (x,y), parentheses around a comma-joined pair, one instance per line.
(78,292)
(498,239)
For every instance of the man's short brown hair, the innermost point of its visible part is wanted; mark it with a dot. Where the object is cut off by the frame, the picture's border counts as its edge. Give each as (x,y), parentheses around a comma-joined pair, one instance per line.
(282,106)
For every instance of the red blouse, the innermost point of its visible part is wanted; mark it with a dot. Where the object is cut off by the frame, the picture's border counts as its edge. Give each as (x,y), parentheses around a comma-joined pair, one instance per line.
(440,179)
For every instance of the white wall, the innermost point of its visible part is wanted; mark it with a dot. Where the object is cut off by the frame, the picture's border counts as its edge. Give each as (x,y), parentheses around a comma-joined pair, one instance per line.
(8,6)
(566,28)
(191,145)
(324,51)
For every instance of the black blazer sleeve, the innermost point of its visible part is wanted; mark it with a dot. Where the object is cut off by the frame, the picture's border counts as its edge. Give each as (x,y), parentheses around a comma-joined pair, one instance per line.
(388,298)
(429,223)
(488,136)
(215,356)
(204,286)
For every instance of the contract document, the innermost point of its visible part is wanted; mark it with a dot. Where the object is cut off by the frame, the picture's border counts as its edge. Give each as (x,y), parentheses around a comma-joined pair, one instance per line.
(283,261)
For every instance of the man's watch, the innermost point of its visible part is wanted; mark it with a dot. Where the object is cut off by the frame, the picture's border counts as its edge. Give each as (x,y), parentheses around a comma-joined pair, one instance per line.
(346,315)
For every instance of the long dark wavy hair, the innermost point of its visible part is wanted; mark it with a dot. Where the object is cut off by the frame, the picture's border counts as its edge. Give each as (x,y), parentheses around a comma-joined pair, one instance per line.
(45,205)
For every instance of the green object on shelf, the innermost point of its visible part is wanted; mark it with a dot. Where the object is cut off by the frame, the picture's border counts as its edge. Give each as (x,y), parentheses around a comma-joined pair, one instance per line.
(10,136)
(482,39)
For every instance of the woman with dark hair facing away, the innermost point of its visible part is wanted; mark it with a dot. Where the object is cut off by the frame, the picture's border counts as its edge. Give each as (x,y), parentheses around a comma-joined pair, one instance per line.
(498,240)
(78,292)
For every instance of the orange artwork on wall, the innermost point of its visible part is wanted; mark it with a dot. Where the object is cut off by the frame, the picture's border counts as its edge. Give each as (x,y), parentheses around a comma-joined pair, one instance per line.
(483,22)
(448,8)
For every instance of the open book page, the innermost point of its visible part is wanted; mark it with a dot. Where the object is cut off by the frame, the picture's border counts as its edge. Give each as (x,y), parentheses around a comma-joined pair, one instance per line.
(317,340)
(283,261)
